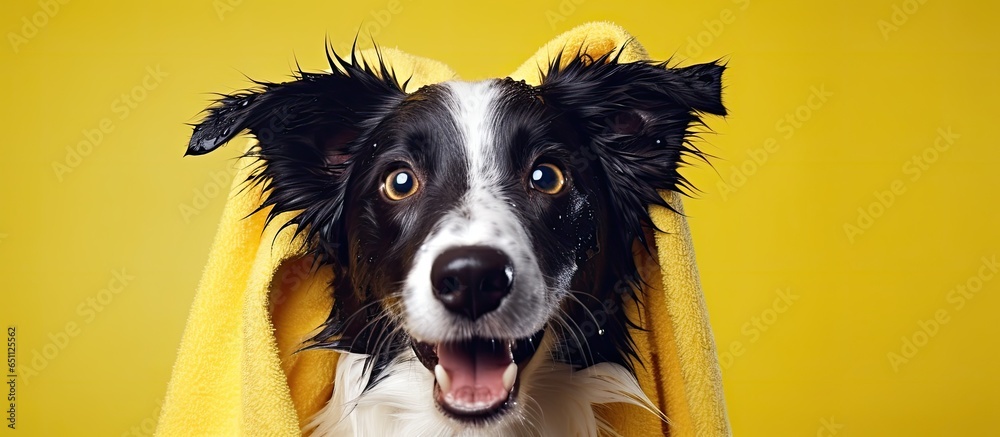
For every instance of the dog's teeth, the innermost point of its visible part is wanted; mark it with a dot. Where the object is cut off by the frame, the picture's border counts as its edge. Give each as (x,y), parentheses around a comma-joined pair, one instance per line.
(509,376)
(444,381)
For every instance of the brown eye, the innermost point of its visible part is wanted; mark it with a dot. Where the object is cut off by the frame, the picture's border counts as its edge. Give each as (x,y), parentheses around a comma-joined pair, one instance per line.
(547,178)
(400,184)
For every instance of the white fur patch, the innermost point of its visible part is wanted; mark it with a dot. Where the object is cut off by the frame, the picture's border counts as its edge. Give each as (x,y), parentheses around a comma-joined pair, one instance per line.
(483,218)
(553,400)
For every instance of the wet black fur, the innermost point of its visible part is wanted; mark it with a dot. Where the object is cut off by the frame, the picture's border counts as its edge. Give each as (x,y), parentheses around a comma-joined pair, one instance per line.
(327,139)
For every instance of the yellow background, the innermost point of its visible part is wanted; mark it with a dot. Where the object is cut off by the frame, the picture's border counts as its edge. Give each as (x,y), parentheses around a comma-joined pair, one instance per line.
(822,365)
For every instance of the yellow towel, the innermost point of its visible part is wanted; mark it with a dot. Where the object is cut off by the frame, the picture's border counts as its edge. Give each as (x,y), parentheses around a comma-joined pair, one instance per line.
(237,373)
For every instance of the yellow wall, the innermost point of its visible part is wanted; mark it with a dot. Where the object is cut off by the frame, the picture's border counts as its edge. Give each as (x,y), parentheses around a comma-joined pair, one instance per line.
(99,263)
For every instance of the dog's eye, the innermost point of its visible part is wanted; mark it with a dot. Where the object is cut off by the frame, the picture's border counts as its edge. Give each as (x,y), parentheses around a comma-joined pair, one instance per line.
(400,184)
(547,178)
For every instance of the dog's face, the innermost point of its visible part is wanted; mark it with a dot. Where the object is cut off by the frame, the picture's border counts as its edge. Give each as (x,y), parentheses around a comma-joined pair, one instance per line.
(465,220)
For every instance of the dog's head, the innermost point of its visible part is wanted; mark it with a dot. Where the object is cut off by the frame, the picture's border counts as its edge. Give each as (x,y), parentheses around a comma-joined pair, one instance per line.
(465,220)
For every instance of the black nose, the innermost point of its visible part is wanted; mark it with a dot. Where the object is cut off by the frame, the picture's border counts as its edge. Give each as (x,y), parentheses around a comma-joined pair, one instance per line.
(472,280)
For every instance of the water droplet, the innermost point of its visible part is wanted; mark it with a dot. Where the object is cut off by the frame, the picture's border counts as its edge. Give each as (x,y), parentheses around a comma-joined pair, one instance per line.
(601,331)
(657,141)
(371,259)
(246,102)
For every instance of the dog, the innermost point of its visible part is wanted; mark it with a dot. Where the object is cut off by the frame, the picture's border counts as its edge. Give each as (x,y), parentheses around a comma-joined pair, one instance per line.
(481,234)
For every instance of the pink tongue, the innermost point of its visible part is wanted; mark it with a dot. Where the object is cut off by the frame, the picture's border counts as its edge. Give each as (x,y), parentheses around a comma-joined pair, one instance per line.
(476,371)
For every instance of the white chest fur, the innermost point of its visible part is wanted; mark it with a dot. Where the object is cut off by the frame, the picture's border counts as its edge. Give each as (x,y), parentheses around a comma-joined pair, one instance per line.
(553,401)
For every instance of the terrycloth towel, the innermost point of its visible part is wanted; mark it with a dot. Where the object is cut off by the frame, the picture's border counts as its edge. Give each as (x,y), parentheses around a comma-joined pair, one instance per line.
(237,373)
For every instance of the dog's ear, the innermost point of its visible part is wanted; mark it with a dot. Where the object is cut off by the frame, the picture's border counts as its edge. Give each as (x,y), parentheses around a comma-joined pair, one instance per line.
(308,131)
(638,119)
(352,94)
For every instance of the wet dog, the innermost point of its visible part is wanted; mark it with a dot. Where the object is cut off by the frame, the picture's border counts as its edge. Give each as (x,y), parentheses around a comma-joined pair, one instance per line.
(481,233)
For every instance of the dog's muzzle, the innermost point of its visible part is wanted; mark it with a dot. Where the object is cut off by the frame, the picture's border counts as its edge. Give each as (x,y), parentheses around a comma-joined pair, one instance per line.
(474,378)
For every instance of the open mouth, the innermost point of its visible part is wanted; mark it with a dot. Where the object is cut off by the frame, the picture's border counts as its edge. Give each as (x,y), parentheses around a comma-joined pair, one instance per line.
(476,379)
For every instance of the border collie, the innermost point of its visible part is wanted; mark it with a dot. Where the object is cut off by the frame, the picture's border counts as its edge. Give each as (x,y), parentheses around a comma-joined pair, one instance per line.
(481,233)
